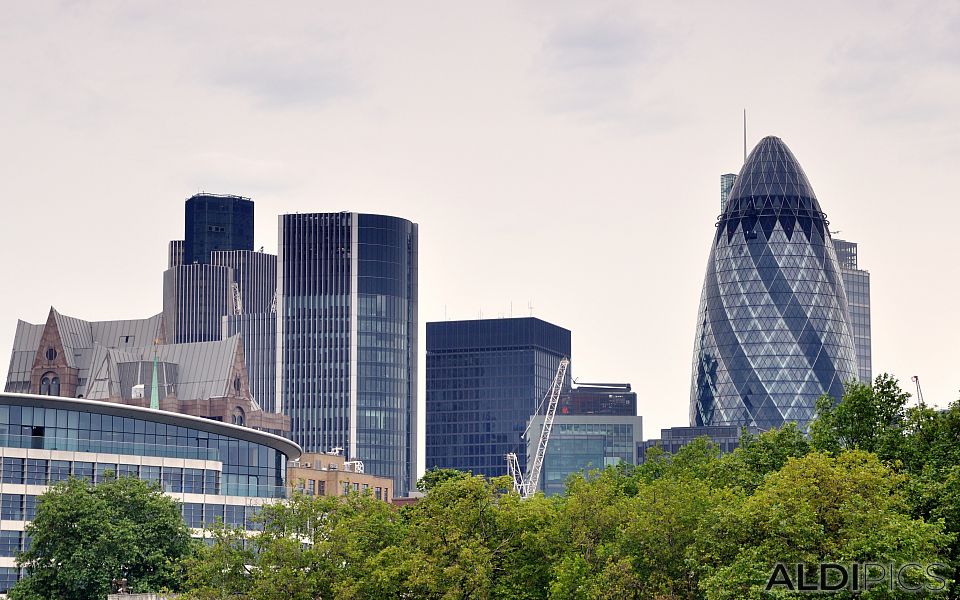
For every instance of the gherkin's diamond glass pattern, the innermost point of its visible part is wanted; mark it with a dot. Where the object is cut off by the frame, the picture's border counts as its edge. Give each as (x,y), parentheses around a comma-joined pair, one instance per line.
(773,329)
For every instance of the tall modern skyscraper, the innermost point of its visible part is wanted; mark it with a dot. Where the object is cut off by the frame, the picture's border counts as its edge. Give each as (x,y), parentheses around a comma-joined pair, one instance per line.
(726,184)
(773,329)
(485,380)
(856,282)
(347,338)
(216,222)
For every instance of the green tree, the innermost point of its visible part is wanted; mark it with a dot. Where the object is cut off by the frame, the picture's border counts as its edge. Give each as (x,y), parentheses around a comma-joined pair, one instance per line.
(86,535)
(435,476)
(868,417)
(818,508)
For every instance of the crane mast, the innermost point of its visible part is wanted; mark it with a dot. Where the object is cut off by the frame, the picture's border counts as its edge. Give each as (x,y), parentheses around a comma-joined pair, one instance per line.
(527,486)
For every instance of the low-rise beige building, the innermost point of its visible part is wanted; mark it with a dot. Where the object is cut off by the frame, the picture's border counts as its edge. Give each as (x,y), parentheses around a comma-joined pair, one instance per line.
(333,475)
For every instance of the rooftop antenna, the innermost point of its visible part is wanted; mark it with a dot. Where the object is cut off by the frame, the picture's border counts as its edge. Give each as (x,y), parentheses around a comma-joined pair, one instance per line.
(530,306)
(744,136)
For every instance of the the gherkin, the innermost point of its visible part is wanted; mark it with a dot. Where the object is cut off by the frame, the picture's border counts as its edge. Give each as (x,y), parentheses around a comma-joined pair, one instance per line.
(773,327)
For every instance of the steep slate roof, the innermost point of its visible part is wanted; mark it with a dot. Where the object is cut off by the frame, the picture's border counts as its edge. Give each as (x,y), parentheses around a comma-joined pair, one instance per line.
(203,370)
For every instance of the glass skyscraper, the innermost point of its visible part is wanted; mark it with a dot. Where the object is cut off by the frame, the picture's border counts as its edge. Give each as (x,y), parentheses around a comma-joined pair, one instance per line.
(485,380)
(856,282)
(347,338)
(773,331)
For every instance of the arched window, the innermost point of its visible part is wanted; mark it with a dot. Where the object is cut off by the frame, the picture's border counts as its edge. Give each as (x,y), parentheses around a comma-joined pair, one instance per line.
(45,386)
(55,386)
(237,417)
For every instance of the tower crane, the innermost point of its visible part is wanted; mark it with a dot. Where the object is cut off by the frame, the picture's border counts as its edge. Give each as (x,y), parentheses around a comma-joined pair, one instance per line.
(527,486)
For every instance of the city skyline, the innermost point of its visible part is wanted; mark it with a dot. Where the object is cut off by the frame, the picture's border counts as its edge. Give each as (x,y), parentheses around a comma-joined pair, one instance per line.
(545,150)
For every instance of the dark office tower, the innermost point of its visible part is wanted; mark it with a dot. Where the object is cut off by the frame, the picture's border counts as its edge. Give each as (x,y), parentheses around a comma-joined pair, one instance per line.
(216,222)
(856,282)
(726,184)
(195,299)
(485,380)
(175,254)
(773,329)
(347,338)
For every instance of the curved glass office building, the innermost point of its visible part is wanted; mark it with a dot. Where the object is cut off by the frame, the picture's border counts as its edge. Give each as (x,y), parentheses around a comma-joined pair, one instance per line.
(773,329)
(347,338)
(216,470)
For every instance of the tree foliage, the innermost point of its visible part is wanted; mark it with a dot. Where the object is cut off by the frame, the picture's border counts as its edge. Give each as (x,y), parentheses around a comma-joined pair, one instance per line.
(84,536)
(876,481)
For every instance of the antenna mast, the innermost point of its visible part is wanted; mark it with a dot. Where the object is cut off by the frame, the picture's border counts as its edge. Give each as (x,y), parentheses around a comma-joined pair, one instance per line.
(744,135)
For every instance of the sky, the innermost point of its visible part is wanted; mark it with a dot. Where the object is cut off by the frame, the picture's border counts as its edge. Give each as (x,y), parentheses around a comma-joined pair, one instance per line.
(563,156)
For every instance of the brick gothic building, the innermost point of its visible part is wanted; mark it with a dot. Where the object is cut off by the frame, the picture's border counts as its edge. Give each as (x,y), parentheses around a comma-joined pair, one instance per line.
(127,361)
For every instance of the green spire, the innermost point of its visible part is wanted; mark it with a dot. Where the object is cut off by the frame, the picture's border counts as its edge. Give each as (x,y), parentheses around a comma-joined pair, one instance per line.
(155,388)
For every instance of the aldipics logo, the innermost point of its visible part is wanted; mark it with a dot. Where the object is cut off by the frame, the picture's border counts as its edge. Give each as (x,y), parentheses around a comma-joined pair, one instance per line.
(857,577)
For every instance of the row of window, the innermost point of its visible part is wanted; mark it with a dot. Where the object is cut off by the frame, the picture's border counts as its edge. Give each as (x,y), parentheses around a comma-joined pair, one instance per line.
(34,471)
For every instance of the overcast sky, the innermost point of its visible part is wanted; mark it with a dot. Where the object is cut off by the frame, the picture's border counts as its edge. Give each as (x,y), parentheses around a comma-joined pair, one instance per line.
(561,154)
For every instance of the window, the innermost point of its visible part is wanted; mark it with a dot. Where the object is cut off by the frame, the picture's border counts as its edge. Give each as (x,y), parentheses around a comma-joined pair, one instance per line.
(237,416)
(128,470)
(12,470)
(29,508)
(8,578)
(193,481)
(59,470)
(233,515)
(211,481)
(83,470)
(37,472)
(103,469)
(11,507)
(321,488)
(172,479)
(212,513)
(150,473)
(45,385)
(10,542)
(193,514)
(51,354)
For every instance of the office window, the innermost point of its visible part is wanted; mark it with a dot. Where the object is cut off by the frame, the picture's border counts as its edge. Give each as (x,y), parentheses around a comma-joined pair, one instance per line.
(193,481)
(12,470)
(83,470)
(233,515)
(105,471)
(37,472)
(193,514)
(172,479)
(11,507)
(8,578)
(10,542)
(59,470)
(128,470)
(29,507)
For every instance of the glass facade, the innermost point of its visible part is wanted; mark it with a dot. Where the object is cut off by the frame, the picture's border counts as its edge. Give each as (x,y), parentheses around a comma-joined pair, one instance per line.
(773,330)
(347,338)
(583,443)
(726,437)
(249,468)
(856,282)
(726,184)
(485,379)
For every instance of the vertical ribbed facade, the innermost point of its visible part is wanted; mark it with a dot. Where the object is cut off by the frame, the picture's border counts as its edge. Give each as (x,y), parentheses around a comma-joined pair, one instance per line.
(773,331)
(175,254)
(258,334)
(195,299)
(255,274)
(347,337)
(856,282)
